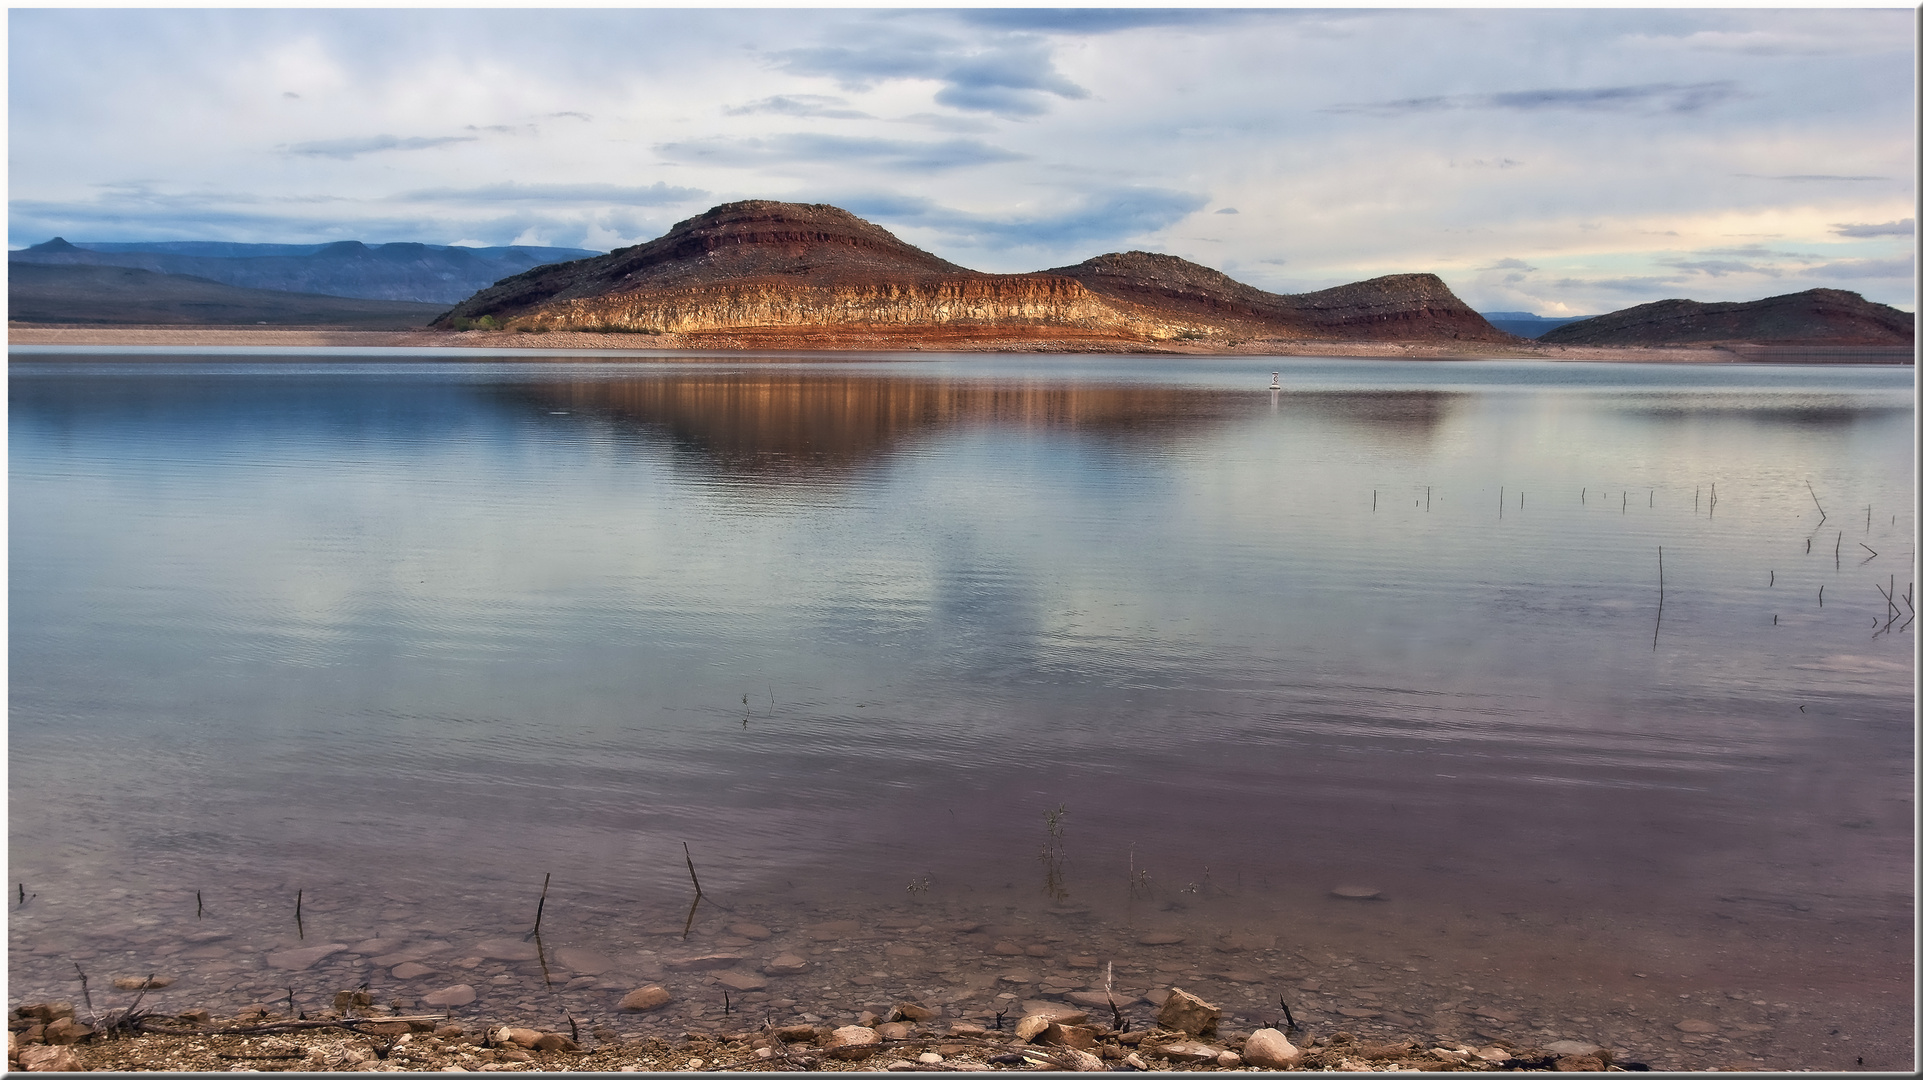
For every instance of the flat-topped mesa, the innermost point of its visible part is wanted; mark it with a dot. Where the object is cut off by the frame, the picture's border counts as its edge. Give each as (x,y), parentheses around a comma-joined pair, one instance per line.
(820,276)
(1813,317)
(763,266)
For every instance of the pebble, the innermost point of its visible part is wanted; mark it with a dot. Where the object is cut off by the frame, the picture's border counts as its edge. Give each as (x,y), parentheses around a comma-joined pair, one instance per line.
(1160,938)
(1356,892)
(142,982)
(1270,1049)
(741,980)
(411,970)
(751,931)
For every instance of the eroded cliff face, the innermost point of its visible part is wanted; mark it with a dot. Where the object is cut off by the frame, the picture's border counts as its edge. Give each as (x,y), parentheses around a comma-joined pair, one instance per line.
(813,276)
(1027,303)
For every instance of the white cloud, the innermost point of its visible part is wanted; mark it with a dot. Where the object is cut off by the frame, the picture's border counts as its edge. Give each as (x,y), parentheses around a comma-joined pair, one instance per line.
(1611,151)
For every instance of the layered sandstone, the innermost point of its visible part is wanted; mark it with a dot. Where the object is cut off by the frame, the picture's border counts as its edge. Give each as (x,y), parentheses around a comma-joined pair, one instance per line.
(815,276)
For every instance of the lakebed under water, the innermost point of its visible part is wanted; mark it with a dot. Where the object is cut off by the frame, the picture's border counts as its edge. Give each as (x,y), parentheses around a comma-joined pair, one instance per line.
(965,678)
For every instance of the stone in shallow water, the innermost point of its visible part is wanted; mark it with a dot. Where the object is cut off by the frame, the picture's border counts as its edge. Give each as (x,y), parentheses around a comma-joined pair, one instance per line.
(741,980)
(452,997)
(1160,937)
(1356,892)
(143,982)
(411,970)
(751,931)
(709,962)
(302,959)
(1573,1048)
(785,964)
(507,949)
(1696,1027)
(644,999)
(583,961)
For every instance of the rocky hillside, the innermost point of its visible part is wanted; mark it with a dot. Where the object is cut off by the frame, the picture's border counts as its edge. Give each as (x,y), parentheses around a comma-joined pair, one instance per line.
(1400,307)
(1814,317)
(421,273)
(816,276)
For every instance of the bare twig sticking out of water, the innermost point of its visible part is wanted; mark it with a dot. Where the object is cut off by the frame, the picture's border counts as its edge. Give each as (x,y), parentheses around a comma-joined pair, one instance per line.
(1425,498)
(540,908)
(1372,499)
(23,895)
(85,994)
(198,908)
(1866,520)
(1819,596)
(1661,594)
(1522,500)
(689,855)
(1293,1026)
(727,1006)
(1625,501)
(1652,498)
(1502,496)
(298,925)
(1839,549)
(1817,501)
(1772,579)
(1867,548)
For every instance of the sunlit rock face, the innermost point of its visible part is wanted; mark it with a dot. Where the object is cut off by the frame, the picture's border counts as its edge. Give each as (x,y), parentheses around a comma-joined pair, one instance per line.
(774,275)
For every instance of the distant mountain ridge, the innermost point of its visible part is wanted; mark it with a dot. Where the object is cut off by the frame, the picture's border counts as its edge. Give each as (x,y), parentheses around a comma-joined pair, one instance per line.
(1815,317)
(422,273)
(129,296)
(1527,324)
(816,276)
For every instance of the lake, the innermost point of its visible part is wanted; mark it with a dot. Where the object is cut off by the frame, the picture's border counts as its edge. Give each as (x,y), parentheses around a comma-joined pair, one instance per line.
(974,680)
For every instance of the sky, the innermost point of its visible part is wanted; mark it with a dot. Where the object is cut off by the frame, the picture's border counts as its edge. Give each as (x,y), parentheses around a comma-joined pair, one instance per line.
(1562,162)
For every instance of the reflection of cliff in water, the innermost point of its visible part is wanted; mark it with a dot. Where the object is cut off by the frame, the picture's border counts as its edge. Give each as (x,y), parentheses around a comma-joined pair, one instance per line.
(769,423)
(1401,418)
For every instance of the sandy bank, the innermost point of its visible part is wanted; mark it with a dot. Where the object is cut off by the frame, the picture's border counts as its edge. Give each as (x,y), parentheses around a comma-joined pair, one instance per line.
(669,346)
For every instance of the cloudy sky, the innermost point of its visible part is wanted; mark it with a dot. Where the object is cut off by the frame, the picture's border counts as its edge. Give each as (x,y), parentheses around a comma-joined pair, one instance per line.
(1561,162)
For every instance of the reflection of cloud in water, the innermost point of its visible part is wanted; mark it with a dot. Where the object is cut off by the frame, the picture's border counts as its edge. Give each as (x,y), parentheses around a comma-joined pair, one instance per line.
(790,424)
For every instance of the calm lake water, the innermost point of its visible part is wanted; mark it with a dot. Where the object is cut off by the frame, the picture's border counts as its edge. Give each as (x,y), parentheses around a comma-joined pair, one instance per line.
(920,656)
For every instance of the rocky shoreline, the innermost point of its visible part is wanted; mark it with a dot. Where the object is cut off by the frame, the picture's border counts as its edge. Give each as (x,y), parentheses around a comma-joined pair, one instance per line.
(360,1036)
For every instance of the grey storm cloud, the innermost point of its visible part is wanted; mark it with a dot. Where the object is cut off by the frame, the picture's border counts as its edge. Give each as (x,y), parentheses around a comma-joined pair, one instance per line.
(1900,267)
(1507,264)
(1720,267)
(656,194)
(1906,227)
(347,148)
(1646,97)
(1094,20)
(1809,178)
(1008,79)
(812,105)
(907,155)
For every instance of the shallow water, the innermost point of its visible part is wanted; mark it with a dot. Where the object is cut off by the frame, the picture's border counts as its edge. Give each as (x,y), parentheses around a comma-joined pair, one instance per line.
(403,637)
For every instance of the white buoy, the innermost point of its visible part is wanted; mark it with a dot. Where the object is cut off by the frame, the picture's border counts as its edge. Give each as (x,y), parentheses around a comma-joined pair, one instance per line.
(1275,381)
